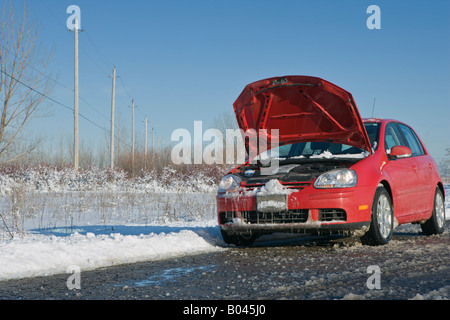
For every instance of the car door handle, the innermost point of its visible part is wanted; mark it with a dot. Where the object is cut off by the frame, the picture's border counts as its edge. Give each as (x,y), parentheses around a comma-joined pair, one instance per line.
(414,168)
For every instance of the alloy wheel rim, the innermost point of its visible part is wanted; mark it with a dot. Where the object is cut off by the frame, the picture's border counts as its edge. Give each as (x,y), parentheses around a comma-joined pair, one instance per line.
(439,210)
(384,216)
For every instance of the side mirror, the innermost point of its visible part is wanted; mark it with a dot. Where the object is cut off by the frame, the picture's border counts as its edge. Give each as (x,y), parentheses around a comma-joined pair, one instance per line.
(399,152)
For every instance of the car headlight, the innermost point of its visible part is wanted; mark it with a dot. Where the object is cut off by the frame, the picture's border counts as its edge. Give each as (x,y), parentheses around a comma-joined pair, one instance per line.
(229,183)
(339,178)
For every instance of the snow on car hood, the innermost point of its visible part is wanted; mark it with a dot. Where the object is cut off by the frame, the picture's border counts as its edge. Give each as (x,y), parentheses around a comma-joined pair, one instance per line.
(302,108)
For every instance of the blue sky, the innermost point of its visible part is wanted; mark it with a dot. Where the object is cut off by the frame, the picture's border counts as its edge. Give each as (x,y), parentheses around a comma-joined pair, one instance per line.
(184,61)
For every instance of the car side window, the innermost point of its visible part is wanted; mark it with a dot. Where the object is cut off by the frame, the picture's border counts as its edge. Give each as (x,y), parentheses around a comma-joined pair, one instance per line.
(411,140)
(392,137)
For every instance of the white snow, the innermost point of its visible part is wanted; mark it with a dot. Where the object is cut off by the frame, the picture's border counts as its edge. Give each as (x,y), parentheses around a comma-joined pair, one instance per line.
(51,220)
(440,294)
(39,255)
(328,155)
(274,187)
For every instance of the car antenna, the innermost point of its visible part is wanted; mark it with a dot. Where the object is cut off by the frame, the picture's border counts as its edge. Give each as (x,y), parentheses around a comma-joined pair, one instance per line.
(373,107)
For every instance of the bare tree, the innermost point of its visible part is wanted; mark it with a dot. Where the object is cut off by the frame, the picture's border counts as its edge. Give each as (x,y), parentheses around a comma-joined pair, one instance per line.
(23,87)
(223,122)
(444,166)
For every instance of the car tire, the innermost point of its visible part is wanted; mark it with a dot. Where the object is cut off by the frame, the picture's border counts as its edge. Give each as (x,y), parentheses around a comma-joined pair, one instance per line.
(382,219)
(436,223)
(239,240)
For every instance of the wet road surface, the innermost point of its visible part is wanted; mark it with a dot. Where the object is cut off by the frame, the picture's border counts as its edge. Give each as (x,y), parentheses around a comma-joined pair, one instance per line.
(411,266)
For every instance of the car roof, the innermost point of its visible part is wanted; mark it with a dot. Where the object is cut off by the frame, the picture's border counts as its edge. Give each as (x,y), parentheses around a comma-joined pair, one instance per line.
(379,120)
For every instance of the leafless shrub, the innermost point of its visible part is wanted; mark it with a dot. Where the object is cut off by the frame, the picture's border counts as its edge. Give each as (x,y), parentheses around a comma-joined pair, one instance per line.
(22,87)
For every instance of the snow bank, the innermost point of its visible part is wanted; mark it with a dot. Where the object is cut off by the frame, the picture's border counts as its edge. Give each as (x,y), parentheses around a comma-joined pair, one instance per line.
(93,247)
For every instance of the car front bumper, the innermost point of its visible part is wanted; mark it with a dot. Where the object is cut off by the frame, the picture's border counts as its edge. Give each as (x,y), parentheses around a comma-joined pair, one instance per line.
(310,210)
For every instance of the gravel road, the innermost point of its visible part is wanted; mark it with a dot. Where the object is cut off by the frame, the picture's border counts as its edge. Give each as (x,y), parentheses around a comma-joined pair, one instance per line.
(411,266)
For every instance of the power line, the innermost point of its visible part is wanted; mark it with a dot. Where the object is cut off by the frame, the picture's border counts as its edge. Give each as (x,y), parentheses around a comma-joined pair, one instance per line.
(92,59)
(99,52)
(123,86)
(56,82)
(103,58)
(53,100)
(60,104)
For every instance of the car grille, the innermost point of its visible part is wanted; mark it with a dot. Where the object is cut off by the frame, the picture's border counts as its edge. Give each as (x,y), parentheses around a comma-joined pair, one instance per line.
(289,185)
(256,217)
(332,215)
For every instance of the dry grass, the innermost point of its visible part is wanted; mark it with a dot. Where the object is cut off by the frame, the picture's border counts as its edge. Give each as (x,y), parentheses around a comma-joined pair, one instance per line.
(47,198)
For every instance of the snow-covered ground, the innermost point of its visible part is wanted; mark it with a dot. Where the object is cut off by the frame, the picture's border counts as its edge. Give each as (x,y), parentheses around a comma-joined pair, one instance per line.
(50,221)
(90,247)
(48,225)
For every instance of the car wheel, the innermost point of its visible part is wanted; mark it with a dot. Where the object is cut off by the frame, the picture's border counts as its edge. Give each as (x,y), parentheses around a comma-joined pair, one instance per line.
(382,220)
(239,240)
(436,224)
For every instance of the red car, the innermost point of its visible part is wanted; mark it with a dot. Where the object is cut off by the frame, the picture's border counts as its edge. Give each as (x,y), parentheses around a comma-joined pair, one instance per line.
(336,173)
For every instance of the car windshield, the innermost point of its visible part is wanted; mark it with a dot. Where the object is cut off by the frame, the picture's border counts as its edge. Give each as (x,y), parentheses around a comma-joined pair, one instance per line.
(324,149)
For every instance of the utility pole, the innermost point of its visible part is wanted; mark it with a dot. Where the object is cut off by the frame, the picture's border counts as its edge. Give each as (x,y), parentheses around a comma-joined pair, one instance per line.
(163,158)
(75,155)
(112,116)
(153,145)
(145,147)
(118,144)
(132,138)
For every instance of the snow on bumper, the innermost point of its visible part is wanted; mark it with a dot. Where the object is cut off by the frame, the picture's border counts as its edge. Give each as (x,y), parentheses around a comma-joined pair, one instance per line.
(304,211)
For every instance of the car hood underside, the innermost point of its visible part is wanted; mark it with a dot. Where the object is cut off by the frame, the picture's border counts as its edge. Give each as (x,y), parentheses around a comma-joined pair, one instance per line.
(302,108)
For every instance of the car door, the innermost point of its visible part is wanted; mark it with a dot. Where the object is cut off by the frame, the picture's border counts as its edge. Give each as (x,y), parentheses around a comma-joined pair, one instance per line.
(403,174)
(425,191)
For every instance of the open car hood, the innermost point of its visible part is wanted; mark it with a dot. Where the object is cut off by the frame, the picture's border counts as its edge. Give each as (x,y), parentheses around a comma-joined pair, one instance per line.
(303,109)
